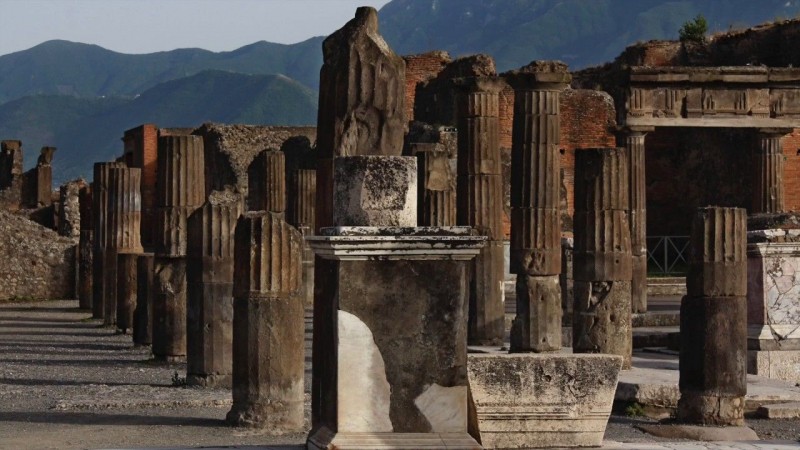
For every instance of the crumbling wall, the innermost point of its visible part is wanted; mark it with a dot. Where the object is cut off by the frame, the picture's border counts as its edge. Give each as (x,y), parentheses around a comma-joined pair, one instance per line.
(35,262)
(229,150)
(420,69)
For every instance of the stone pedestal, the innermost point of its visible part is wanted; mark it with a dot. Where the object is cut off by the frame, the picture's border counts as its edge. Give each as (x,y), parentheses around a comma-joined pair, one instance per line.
(479,200)
(714,321)
(268,325)
(142,315)
(602,254)
(209,278)
(401,337)
(542,401)
(773,303)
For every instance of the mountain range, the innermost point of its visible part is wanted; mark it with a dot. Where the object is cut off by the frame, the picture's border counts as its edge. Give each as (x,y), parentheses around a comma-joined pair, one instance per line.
(81,97)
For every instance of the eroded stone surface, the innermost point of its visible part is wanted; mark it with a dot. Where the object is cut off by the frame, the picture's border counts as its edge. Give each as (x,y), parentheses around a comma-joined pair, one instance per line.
(602,319)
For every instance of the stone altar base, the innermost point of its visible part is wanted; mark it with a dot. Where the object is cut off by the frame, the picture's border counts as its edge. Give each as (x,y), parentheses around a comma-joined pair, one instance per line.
(393,336)
(542,400)
(773,304)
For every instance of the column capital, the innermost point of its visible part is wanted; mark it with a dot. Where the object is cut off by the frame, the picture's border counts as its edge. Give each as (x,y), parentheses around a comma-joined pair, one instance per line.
(774,132)
(469,85)
(540,75)
(635,130)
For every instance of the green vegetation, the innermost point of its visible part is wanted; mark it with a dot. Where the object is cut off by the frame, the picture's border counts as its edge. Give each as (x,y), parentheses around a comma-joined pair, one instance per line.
(634,409)
(694,30)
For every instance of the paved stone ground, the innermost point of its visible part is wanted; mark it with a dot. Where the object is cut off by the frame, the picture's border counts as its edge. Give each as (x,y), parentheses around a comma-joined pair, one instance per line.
(67,382)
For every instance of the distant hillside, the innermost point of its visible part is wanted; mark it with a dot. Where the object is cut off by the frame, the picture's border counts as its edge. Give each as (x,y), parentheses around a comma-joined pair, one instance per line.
(83,70)
(86,131)
(578,32)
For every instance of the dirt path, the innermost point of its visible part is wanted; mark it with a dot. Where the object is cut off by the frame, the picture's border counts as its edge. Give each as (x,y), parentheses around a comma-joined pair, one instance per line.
(67,382)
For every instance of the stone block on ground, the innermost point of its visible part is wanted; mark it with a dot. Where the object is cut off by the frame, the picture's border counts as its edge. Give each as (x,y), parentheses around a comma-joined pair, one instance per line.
(541,401)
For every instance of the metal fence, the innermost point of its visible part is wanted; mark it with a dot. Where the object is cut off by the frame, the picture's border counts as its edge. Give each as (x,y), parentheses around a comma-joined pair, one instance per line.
(668,255)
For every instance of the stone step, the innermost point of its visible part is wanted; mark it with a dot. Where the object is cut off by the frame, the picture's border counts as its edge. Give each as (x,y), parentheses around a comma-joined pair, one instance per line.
(666,286)
(654,336)
(656,319)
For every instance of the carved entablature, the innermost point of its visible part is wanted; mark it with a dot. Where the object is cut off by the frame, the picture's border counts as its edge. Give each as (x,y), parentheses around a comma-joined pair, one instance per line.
(713,97)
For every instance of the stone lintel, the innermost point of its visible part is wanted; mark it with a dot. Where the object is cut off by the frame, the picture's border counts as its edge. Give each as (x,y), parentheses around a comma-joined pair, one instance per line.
(717,121)
(774,132)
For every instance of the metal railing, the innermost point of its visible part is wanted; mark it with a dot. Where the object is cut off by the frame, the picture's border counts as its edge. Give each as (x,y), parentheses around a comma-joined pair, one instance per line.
(668,255)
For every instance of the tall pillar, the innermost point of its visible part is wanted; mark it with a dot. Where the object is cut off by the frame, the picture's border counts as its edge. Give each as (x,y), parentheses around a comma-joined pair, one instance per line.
(637,218)
(713,357)
(180,190)
(535,205)
(768,192)
(209,277)
(267,182)
(42,184)
(268,325)
(101,261)
(602,258)
(142,314)
(301,199)
(123,223)
(11,174)
(85,248)
(480,202)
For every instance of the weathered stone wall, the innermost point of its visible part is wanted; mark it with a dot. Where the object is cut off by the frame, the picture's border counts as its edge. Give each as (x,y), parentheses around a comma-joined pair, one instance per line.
(35,262)
(230,149)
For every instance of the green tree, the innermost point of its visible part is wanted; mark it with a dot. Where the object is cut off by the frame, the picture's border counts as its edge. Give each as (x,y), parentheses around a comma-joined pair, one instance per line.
(694,30)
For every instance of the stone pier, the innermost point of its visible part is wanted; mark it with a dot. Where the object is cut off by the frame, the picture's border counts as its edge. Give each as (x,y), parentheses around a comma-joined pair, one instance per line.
(713,354)
(602,254)
(209,278)
(11,174)
(267,182)
(85,248)
(142,315)
(180,190)
(123,237)
(39,180)
(637,218)
(768,192)
(102,262)
(480,202)
(389,303)
(268,325)
(535,205)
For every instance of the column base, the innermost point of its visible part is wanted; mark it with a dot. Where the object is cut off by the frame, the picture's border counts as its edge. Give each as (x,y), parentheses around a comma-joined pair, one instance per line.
(325,439)
(703,409)
(275,416)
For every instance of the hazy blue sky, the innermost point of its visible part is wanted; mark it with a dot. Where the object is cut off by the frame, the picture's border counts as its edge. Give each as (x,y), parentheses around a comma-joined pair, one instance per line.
(144,26)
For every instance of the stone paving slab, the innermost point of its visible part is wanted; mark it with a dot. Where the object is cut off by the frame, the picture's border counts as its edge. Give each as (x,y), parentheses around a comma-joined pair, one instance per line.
(653,380)
(740,445)
(789,410)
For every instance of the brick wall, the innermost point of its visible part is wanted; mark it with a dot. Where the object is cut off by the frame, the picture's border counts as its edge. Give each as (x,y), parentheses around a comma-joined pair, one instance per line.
(141,149)
(791,175)
(421,68)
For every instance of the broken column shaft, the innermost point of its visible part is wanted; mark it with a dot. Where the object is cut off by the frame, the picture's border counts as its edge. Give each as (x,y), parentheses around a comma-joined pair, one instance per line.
(267,182)
(302,197)
(209,278)
(480,202)
(768,191)
(180,190)
(637,218)
(142,314)
(436,199)
(535,201)
(713,376)
(268,325)
(123,222)
(102,262)
(602,258)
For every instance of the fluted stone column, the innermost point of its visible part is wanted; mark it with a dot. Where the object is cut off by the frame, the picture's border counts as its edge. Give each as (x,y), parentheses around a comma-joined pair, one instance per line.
(602,255)
(480,202)
(180,190)
(535,203)
(127,286)
(713,373)
(267,182)
(634,144)
(302,197)
(768,191)
(142,315)
(102,262)
(123,224)
(436,199)
(209,278)
(268,325)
